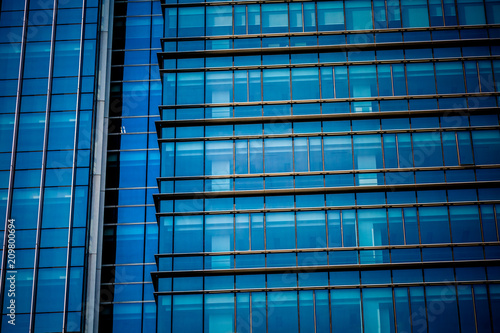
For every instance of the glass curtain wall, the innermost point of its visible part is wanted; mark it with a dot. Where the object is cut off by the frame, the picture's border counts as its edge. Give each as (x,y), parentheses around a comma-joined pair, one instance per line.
(47,78)
(130,232)
(329,166)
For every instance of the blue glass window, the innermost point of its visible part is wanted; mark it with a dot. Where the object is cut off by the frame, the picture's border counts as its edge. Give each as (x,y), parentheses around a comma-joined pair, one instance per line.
(330,15)
(280,231)
(358,15)
(346,310)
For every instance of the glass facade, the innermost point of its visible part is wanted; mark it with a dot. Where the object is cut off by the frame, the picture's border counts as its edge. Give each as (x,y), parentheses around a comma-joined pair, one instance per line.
(329,166)
(127,301)
(48,53)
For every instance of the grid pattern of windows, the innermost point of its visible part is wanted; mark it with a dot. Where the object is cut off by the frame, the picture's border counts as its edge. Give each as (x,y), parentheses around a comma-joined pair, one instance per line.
(47,72)
(130,232)
(329,166)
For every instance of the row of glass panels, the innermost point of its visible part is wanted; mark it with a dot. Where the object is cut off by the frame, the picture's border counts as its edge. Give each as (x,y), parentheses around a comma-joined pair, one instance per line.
(347,256)
(469,308)
(359,81)
(330,153)
(325,16)
(331,228)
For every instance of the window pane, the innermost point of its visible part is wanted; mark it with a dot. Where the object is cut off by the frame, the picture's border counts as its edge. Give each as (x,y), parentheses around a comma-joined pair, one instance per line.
(378,311)
(305,83)
(346,310)
(330,15)
(278,155)
(358,15)
(421,79)
(280,231)
(415,13)
(191,21)
(311,231)
(274,18)
(450,78)
(276,84)
(219,20)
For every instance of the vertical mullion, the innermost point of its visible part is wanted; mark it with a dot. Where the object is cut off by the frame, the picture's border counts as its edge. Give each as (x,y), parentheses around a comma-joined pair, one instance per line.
(73,170)
(42,174)
(15,134)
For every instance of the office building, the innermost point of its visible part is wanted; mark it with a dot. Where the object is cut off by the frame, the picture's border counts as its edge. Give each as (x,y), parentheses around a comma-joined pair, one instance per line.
(250,166)
(49,105)
(329,166)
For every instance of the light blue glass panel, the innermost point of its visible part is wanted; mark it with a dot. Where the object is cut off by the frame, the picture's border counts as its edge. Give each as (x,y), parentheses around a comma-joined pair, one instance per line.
(276,84)
(187,313)
(358,15)
(278,155)
(274,18)
(368,154)
(378,310)
(190,87)
(191,21)
(305,83)
(218,88)
(311,231)
(219,161)
(219,20)
(346,310)
(219,313)
(127,316)
(188,232)
(363,81)
(338,153)
(372,226)
(282,311)
(189,159)
(330,15)
(280,231)
(219,233)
